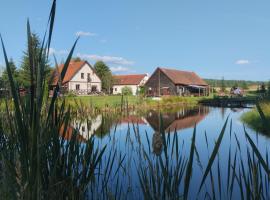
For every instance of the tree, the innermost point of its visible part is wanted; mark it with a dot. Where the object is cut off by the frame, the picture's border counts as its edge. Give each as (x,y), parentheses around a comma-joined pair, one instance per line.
(223,86)
(263,89)
(244,85)
(14,73)
(105,74)
(268,87)
(127,91)
(24,72)
(77,59)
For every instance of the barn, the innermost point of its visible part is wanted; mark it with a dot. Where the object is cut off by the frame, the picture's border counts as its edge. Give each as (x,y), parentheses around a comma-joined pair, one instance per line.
(166,81)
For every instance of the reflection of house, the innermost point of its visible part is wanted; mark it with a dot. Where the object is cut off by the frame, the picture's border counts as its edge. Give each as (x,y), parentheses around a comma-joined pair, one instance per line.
(175,82)
(134,81)
(132,119)
(182,119)
(67,135)
(80,77)
(88,127)
(85,129)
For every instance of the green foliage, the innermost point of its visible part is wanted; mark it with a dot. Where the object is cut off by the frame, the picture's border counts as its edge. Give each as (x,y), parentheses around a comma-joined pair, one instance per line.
(223,86)
(77,59)
(105,74)
(141,91)
(253,119)
(36,163)
(262,88)
(14,72)
(25,69)
(268,87)
(127,91)
(231,83)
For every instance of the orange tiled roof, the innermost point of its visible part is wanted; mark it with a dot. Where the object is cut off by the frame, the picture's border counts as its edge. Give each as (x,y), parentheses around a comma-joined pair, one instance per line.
(73,68)
(131,79)
(183,77)
(69,132)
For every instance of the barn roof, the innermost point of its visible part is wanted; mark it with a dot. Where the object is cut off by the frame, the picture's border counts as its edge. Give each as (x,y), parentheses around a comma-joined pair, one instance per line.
(73,68)
(183,77)
(131,79)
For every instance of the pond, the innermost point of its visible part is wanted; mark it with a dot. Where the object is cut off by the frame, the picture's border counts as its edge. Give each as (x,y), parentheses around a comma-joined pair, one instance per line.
(149,154)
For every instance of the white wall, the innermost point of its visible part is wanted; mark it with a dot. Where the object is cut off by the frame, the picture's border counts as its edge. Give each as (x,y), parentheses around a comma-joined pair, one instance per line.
(76,79)
(86,131)
(117,89)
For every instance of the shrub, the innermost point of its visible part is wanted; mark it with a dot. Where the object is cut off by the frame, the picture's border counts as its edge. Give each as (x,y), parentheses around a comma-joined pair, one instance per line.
(127,91)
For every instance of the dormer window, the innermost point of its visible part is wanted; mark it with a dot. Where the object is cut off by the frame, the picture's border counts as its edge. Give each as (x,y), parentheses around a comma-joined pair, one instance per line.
(82,75)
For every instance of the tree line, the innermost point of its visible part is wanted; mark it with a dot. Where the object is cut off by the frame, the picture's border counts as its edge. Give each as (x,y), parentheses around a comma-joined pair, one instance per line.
(233,83)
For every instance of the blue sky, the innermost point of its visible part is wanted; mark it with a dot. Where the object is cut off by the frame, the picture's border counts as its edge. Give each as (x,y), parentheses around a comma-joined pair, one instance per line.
(213,38)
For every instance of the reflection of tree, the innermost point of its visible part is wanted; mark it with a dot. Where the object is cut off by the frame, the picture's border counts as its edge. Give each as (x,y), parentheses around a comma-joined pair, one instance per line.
(223,111)
(157,143)
(107,122)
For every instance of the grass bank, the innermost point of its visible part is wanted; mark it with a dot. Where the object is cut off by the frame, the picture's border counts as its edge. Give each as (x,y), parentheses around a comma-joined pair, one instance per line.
(113,102)
(253,119)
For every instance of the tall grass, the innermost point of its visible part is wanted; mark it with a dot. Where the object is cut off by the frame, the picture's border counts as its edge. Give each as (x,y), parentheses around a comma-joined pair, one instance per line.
(36,163)
(40,159)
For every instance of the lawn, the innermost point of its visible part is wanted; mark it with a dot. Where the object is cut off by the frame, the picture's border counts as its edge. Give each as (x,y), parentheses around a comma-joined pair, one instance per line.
(102,101)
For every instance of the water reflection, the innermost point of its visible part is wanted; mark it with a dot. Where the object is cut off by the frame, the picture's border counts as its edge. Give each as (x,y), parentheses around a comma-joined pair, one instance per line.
(182,119)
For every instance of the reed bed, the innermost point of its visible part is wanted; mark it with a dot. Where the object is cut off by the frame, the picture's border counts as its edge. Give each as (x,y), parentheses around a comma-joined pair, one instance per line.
(42,157)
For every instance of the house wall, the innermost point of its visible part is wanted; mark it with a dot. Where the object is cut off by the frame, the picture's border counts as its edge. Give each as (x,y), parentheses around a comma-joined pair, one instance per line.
(117,89)
(159,79)
(84,85)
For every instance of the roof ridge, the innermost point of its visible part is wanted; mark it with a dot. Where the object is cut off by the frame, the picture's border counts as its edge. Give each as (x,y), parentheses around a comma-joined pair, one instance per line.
(165,68)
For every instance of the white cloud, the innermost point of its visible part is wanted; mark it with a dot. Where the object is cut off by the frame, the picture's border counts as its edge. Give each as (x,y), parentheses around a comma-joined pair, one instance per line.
(242,62)
(57,52)
(119,69)
(83,33)
(107,59)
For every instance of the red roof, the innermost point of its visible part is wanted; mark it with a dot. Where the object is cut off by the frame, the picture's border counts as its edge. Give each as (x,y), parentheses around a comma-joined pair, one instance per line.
(131,79)
(73,68)
(133,120)
(183,77)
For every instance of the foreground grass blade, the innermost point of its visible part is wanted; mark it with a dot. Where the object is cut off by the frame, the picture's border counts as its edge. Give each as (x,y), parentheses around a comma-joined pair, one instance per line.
(214,153)
(257,152)
(265,122)
(189,166)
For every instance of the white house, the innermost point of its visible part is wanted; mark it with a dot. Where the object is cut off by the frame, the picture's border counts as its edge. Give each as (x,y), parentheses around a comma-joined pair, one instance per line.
(80,77)
(133,81)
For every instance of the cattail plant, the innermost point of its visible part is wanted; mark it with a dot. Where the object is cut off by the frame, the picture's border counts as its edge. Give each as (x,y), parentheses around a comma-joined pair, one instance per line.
(37,160)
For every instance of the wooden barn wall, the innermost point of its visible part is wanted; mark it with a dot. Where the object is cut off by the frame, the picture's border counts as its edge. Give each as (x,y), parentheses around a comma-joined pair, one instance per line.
(153,83)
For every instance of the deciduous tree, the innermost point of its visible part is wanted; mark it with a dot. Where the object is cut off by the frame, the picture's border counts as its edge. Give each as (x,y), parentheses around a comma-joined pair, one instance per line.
(105,74)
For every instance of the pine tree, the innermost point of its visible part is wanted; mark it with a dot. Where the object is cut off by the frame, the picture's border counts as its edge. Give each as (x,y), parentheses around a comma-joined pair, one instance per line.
(24,72)
(14,73)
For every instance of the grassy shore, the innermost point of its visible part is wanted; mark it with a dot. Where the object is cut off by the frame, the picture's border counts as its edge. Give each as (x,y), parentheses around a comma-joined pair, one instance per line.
(253,119)
(105,102)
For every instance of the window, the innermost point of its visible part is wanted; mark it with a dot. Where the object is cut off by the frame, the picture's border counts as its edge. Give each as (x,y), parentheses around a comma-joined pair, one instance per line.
(88,77)
(77,86)
(82,75)
(83,128)
(115,89)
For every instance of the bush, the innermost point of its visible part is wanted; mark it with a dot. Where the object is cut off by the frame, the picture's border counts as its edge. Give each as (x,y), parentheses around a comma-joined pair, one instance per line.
(127,91)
